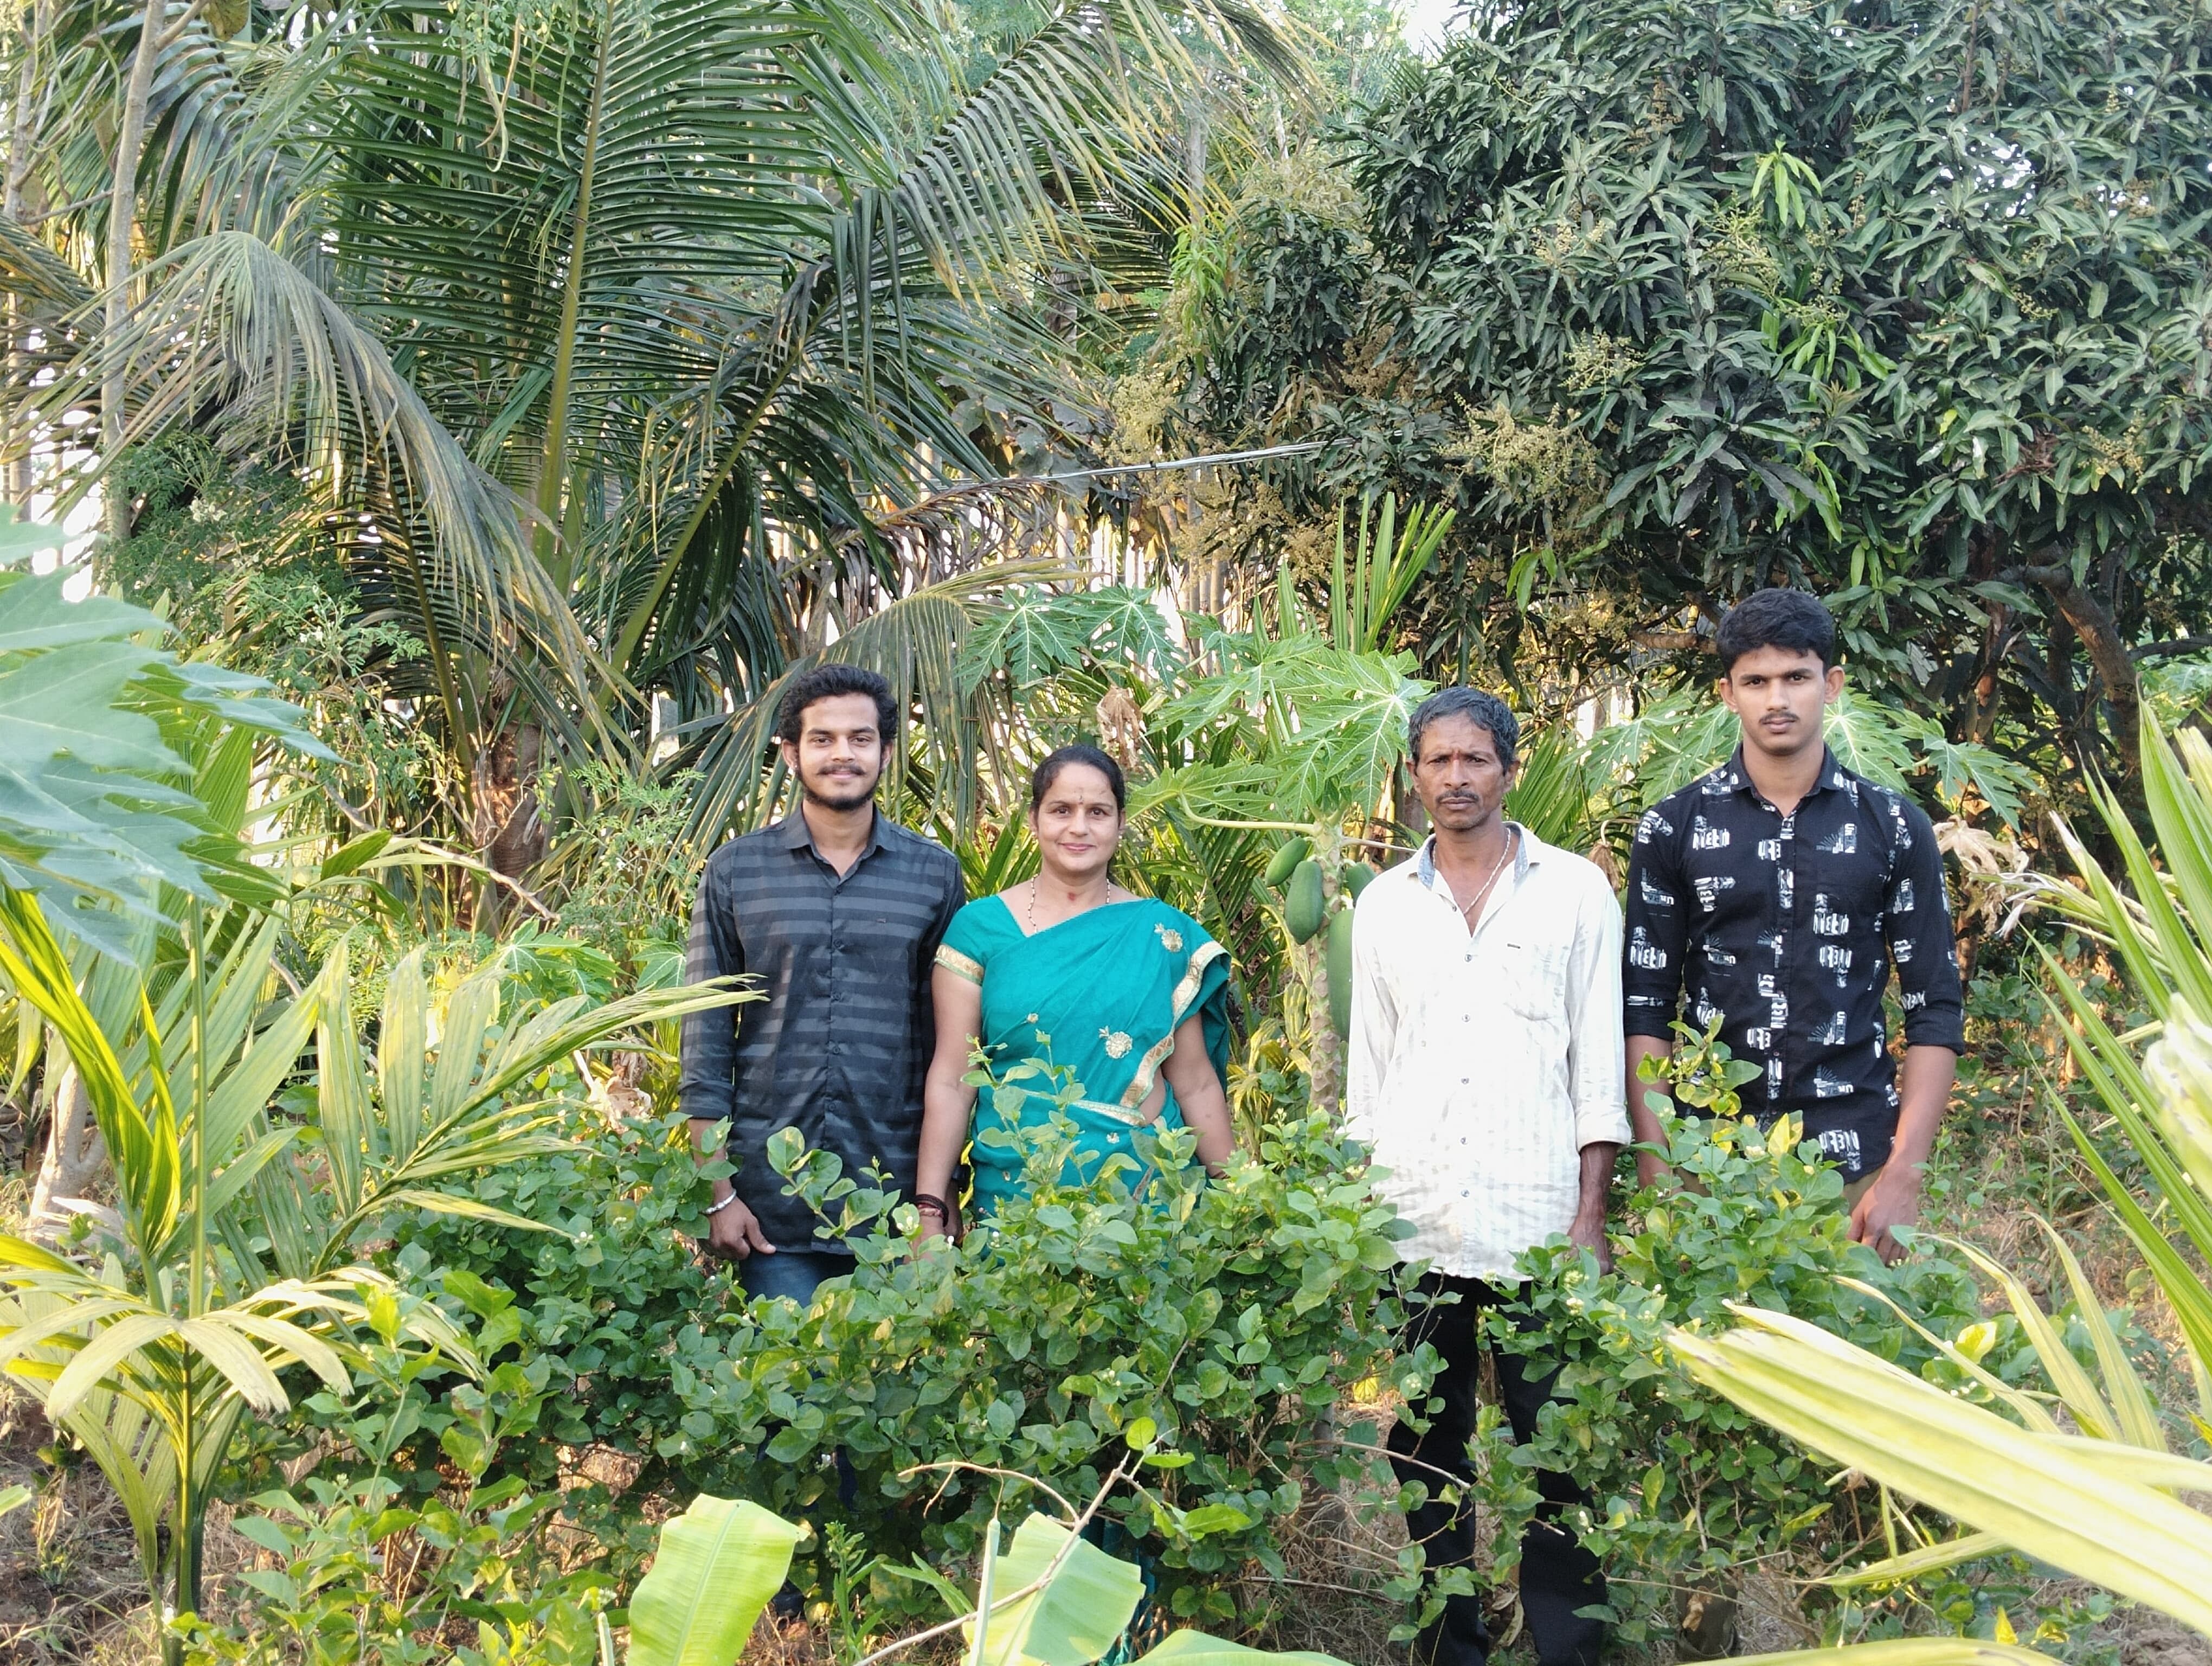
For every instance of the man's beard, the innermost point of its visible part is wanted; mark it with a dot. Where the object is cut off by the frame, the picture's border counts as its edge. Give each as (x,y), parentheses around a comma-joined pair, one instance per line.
(852,798)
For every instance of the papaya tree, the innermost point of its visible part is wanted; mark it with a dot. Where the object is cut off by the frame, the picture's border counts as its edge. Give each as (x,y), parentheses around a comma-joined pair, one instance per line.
(1313,715)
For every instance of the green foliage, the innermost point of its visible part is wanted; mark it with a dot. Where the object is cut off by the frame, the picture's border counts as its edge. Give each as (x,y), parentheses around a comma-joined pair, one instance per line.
(1675,739)
(1835,353)
(1372,576)
(1084,1605)
(1211,1325)
(1316,732)
(2161,937)
(1040,634)
(1687,1487)
(110,752)
(719,1562)
(479,1553)
(231,1255)
(332,1599)
(1676,301)
(610,1298)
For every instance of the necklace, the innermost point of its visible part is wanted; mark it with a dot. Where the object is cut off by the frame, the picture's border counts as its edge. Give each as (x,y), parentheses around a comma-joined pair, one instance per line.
(1496,868)
(1033,900)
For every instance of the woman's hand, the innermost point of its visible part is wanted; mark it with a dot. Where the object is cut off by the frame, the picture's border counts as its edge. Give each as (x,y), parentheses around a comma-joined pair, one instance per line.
(939,1219)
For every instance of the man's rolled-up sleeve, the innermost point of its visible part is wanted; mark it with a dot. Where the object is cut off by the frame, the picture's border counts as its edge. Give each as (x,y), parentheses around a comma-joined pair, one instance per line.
(1656,932)
(1916,925)
(709,1039)
(1595,1049)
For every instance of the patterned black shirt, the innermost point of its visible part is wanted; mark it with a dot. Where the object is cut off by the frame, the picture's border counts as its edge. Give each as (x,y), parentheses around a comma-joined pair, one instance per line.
(1788,926)
(839,1049)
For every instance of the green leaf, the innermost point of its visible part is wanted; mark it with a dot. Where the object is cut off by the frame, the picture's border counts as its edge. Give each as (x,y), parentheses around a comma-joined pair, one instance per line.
(1076,1618)
(718,1565)
(20,539)
(1196,1649)
(2076,1503)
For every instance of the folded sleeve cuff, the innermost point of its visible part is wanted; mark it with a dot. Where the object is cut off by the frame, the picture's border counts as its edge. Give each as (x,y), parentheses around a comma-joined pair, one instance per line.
(1936,1030)
(1601,1125)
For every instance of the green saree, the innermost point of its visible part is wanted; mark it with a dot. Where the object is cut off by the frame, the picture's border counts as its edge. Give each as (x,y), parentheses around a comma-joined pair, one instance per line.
(1087,1007)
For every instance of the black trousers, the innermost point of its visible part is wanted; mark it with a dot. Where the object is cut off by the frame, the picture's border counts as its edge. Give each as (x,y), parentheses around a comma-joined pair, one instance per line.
(1558,1575)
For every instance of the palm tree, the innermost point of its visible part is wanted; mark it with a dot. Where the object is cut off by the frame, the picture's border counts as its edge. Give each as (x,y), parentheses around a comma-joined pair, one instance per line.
(607,332)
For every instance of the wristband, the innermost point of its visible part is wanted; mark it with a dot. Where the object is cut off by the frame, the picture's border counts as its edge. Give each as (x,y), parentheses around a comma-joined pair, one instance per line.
(930,1200)
(717,1209)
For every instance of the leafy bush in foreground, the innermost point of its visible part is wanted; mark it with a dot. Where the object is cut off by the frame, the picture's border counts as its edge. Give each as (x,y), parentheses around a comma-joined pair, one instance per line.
(1691,1493)
(614,1301)
(1220,1321)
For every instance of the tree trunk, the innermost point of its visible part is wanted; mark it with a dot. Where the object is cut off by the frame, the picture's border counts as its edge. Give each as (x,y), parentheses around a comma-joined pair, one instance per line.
(75,1156)
(509,831)
(122,214)
(22,130)
(1322,1048)
(2108,652)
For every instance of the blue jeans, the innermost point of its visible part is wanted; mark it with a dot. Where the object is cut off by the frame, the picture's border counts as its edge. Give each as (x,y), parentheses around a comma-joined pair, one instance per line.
(792,1273)
(795,1274)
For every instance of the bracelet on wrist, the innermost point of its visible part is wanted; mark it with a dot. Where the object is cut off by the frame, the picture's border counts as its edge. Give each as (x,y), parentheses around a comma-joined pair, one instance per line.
(717,1209)
(930,1201)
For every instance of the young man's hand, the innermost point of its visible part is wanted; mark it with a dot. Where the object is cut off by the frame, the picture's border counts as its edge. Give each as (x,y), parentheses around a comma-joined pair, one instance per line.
(733,1232)
(1893,1199)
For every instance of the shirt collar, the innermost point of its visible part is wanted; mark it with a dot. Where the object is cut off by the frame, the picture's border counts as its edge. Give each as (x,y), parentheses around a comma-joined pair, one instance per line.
(1833,777)
(1527,851)
(797,835)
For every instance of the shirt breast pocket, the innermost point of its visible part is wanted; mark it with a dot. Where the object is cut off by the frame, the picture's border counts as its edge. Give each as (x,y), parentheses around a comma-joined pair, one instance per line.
(1532,980)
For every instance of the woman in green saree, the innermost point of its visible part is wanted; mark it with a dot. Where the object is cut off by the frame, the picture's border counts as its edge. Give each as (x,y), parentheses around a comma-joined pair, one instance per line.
(1068,973)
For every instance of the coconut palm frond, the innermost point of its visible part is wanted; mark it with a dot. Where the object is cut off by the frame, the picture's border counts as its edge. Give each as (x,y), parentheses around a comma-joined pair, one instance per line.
(914,642)
(234,338)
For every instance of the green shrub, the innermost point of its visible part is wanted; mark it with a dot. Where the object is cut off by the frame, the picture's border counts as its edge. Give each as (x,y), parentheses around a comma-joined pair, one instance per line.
(1688,1492)
(1218,1323)
(366,1575)
(614,1305)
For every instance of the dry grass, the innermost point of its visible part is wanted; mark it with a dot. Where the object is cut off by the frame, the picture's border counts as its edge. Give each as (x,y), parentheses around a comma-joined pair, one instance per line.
(70,1588)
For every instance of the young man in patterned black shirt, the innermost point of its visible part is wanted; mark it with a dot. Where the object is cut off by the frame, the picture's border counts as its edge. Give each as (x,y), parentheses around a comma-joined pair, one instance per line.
(1778,891)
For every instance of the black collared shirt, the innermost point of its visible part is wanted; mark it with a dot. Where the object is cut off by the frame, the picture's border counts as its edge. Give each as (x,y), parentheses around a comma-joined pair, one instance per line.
(1787,925)
(839,1047)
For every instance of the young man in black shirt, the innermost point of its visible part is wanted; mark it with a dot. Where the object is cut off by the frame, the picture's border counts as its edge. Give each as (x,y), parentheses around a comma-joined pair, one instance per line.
(837,910)
(1778,890)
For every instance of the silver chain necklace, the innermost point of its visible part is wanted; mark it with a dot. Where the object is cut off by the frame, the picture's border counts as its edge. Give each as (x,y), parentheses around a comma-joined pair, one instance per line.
(1496,868)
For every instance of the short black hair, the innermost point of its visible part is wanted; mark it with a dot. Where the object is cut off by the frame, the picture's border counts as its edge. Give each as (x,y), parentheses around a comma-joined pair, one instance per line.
(827,682)
(1791,620)
(1487,710)
(1041,778)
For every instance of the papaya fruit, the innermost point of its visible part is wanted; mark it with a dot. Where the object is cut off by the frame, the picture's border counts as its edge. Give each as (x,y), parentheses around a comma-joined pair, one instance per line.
(1339,962)
(1293,851)
(1355,879)
(1303,903)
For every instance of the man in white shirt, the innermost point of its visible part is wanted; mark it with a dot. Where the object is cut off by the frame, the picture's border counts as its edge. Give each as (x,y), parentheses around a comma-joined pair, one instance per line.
(1486,1077)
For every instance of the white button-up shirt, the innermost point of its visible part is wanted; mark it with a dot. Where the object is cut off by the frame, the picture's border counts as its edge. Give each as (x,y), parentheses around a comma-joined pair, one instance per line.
(1481,1065)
